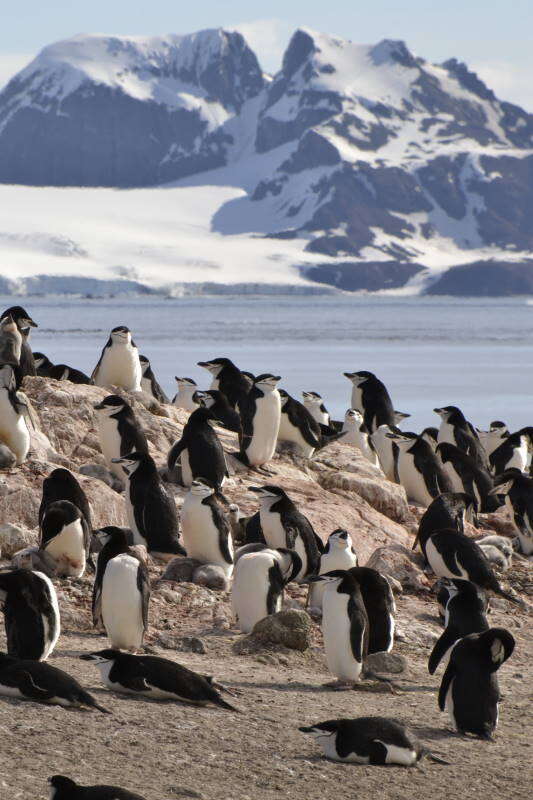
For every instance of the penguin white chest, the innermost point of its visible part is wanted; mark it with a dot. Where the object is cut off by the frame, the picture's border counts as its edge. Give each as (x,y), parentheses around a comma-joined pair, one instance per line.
(446,433)
(51,632)
(186,472)
(120,366)
(13,429)
(336,631)
(250,590)
(272,528)
(146,386)
(357,399)
(453,476)
(110,441)
(289,433)
(266,424)
(439,566)
(385,454)
(412,480)
(138,538)
(337,558)
(122,603)
(519,457)
(201,537)
(68,550)
(184,400)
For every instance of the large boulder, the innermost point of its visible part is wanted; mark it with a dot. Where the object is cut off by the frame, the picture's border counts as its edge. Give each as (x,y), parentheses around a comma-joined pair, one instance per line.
(401,563)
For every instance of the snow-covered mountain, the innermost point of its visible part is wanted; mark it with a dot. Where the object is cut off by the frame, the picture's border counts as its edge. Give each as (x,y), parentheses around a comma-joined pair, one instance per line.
(382,170)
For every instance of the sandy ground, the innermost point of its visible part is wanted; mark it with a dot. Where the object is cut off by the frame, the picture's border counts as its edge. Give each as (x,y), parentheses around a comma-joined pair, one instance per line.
(166,751)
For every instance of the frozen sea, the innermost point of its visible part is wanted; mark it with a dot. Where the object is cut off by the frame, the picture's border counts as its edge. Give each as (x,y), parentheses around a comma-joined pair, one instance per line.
(473,353)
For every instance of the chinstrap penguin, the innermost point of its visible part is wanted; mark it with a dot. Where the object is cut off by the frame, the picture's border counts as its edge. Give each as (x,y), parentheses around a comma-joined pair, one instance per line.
(260,412)
(119,363)
(24,324)
(299,427)
(464,614)
(371,398)
(119,431)
(356,434)
(380,608)
(513,453)
(419,470)
(228,379)
(149,384)
(456,430)
(63,788)
(199,451)
(466,475)
(184,397)
(338,553)
(448,511)
(315,405)
(205,526)
(65,538)
(518,492)
(14,432)
(31,613)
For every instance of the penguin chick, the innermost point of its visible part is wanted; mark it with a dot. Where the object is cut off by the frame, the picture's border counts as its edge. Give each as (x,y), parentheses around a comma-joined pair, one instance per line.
(38,681)
(154,677)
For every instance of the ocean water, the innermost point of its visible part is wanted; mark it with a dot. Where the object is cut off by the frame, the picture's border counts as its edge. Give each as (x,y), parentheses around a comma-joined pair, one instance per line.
(473,353)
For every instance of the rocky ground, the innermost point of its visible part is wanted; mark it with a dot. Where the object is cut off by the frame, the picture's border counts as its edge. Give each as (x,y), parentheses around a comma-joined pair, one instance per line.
(166,750)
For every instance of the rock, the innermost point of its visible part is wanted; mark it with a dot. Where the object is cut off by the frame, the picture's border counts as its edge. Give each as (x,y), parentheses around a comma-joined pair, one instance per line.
(102,473)
(395,585)
(212,576)
(7,458)
(14,538)
(180,569)
(400,563)
(290,628)
(389,663)
(182,644)
(420,635)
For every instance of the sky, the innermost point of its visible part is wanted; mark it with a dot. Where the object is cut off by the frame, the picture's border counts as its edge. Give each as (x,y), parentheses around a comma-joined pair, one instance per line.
(494,37)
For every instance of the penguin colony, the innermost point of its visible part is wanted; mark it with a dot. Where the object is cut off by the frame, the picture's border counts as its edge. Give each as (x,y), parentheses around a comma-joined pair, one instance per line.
(456,472)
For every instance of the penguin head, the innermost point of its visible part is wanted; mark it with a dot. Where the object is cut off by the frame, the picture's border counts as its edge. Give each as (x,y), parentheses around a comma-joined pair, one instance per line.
(201,487)
(215,365)
(404,439)
(204,399)
(334,578)
(430,435)
(62,788)
(358,378)
(20,317)
(291,563)
(340,539)
(130,463)
(111,533)
(322,729)
(284,396)
(41,360)
(497,426)
(267,494)
(185,383)
(399,416)
(353,418)
(312,399)
(111,405)
(121,335)
(106,656)
(145,364)
(504,483)
(447,412)
(267,382)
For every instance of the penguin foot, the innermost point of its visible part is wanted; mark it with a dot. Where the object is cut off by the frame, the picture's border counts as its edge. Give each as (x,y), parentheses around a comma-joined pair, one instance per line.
(340,686)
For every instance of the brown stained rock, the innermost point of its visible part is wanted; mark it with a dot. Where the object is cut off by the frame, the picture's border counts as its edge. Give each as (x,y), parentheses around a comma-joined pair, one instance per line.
(14,538)
(290,628)
(388,663)
(401,563)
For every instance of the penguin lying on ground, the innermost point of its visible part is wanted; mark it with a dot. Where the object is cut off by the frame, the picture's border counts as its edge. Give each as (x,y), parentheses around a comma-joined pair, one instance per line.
(205,526)
(228,379)
(121,591)
(371,398)
(151,510)
(24,323)
(369,740)
(469,688)
(464,614)
(63,788)
(184,398)
(518,492)
(119,432)
(119,363)
(282,525)
(337,554)
(315,405)
(454,555)
(448,511)
(59,372)
(65,538)
(299,427)
(14,432)
(258,583)
(155,677)
(149,383)
(31,613)
(37,681)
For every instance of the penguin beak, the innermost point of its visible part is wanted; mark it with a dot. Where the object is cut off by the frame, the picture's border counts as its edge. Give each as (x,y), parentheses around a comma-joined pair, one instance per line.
(257,489)
(98,406)
(28,323)
(204,364)
(88,657)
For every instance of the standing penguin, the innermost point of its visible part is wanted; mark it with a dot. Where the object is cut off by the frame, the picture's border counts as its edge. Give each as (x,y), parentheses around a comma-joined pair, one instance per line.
(199,451)
(419,470)
(119,363)
(466,475)
(315,405)
(65,538)
(24,323)
(456,430)
(345,626)
(338,554)
(464,614)
(469,689)
(149,383)
(13,407)
(454,555)
(228,379)
(119,431)
(221,410)
(258,583)
(282,525)
(10,344)
(386,449)
(63,788)
(184,397)
(513,453)
(493,438)
(355,433)
(431,436)
(260,412)
(371,398)
(205,526)
(31,613)
(518,492)
(368,740)
(380,608)
(121,591)
(299,427)
(151,510)
(448,511)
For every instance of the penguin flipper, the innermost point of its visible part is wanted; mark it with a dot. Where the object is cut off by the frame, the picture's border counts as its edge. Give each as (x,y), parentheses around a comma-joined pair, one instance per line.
(175,452)
(136,683)
(447,679)
(447,638)
(143,585)
(29,688)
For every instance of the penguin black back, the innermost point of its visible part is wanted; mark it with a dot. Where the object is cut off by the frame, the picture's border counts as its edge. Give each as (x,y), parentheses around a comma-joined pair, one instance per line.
(205,452)
(231,381)
(380,607)
(448,511)
(132,436)
(30,612)
(66,789)
(62,485)
(465,614)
